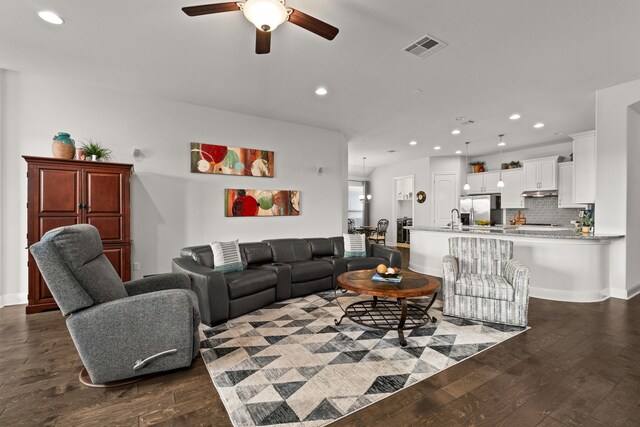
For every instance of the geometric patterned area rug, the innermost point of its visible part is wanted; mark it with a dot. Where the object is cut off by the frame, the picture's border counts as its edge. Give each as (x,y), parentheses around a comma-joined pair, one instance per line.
(288,364)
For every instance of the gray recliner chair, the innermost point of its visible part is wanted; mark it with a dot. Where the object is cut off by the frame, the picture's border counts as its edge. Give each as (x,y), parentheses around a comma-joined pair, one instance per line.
(120,330)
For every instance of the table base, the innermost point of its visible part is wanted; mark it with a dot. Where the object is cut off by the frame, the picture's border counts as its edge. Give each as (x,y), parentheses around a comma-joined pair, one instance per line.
(388,315)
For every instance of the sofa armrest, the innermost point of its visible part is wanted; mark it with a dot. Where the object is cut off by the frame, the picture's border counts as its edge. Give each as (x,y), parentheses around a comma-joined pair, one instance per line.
(450,274)
(159,282)
(113,336)
(517,274)
(210,286)
(283,288)
(393,256)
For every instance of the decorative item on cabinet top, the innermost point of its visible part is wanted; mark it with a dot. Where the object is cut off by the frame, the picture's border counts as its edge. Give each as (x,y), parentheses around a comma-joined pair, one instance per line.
(225,160)
(63,147)
(477,166)
(421,197)
(243,202)
(95,151)
(511,165)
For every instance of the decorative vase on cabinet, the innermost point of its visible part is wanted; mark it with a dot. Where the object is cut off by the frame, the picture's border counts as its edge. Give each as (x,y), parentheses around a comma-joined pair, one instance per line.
(67,192)
(63,147)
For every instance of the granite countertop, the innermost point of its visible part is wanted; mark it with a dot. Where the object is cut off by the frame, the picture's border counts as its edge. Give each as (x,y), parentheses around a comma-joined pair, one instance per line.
(542,234)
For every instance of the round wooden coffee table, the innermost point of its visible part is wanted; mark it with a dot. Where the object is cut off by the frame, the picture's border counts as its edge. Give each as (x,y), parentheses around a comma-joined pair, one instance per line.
(388,314)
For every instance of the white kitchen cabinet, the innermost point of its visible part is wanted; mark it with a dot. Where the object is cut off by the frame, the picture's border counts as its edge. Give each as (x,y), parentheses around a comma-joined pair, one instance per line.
(512,190)
(584,167)
(540,174)
(476,183)
(565,187)
(483,182)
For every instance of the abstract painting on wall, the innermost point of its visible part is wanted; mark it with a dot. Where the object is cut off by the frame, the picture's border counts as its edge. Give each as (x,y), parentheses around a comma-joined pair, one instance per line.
(261,202)
(221,159)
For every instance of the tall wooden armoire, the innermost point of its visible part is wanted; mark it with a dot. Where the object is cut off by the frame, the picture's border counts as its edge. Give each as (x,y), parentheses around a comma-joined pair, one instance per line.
(66,192)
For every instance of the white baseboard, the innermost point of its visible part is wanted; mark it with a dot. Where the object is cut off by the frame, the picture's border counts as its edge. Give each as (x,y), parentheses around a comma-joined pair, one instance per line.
(13,299)
(568,296)
(625,293)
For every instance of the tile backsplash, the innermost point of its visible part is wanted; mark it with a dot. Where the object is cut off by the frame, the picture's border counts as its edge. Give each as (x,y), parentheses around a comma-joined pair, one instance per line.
(544,210)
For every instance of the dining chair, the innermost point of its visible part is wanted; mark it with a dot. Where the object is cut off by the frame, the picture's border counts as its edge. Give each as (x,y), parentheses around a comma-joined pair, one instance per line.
(380,234)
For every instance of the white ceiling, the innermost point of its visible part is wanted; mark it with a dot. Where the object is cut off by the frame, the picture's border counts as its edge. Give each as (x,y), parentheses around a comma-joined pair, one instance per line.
(541,58)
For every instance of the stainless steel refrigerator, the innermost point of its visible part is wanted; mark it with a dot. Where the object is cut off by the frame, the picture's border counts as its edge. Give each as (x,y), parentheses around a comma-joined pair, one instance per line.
(474,209)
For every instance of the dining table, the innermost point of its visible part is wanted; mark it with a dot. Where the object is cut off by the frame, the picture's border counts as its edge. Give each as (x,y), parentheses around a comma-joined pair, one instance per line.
(367,230)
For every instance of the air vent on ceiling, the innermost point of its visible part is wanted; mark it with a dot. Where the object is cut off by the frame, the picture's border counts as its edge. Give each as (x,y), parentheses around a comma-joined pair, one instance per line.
(425,46)
(468,122)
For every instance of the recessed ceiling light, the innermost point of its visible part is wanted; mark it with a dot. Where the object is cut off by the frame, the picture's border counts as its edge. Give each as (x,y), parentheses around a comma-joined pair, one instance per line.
(437,147)
(321,91)
(50,17)
(413,143)
(538,125)
(515,116)
(455,132)
(502,144)
(459,152)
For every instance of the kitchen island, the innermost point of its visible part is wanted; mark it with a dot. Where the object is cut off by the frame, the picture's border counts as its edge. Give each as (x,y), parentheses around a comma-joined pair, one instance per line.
(565,265)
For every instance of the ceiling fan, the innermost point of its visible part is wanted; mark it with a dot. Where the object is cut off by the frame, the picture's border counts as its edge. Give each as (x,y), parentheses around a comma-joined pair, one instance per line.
(266,15)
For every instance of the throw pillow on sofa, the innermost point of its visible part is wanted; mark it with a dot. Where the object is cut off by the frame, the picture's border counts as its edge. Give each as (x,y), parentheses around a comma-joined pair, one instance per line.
(354,245)
(226,256)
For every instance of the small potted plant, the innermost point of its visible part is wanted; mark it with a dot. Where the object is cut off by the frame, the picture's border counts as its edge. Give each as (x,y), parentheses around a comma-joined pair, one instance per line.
(477,166)
(96,151)
(586,222)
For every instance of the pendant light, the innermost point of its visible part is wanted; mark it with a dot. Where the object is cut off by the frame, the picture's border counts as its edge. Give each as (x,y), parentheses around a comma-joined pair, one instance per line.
(364,198)
(501,144)
(466,187)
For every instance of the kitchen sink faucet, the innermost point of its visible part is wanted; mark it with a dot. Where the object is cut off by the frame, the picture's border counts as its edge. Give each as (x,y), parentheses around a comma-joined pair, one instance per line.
(458,213)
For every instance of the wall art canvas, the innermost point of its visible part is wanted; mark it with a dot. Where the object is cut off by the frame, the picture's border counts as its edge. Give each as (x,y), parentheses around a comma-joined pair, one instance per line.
(225,160)
(261,202)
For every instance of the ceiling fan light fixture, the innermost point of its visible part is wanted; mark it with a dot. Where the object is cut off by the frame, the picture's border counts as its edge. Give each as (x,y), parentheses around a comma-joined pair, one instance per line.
(266,15)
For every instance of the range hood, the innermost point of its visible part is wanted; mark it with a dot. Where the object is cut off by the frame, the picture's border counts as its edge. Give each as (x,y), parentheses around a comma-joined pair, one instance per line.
(540,193)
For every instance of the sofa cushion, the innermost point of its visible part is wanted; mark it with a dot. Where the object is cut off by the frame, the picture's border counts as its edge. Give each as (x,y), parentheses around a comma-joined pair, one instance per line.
(484,286)
(256,253)
(320,246)
(226,256)
(289,250)
(364,263)
(248,282)
(354,245)
(303,271)
(481,256)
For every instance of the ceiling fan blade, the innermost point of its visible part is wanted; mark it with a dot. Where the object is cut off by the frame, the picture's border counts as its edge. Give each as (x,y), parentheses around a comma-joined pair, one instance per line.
(263,42)
(312,24)
(207,9)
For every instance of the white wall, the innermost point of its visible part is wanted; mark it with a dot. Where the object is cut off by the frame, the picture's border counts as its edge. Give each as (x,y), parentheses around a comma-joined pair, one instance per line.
(633,199)
(616,185)
(384,193)
(170,207)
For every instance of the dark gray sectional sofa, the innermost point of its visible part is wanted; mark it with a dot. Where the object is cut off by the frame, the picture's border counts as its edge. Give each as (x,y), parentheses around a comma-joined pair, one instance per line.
(274,270)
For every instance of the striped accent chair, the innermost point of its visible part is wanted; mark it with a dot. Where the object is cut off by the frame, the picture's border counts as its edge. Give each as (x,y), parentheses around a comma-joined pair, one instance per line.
(481,281)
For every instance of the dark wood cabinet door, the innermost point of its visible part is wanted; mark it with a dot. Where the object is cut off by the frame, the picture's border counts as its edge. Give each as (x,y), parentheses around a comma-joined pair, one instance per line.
(59,191)
(105,203)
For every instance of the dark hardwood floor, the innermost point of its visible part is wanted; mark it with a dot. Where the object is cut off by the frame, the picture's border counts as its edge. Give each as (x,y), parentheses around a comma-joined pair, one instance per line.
(579,364)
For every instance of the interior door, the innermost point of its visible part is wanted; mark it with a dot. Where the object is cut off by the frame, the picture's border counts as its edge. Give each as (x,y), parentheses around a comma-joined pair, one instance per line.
(445,197)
